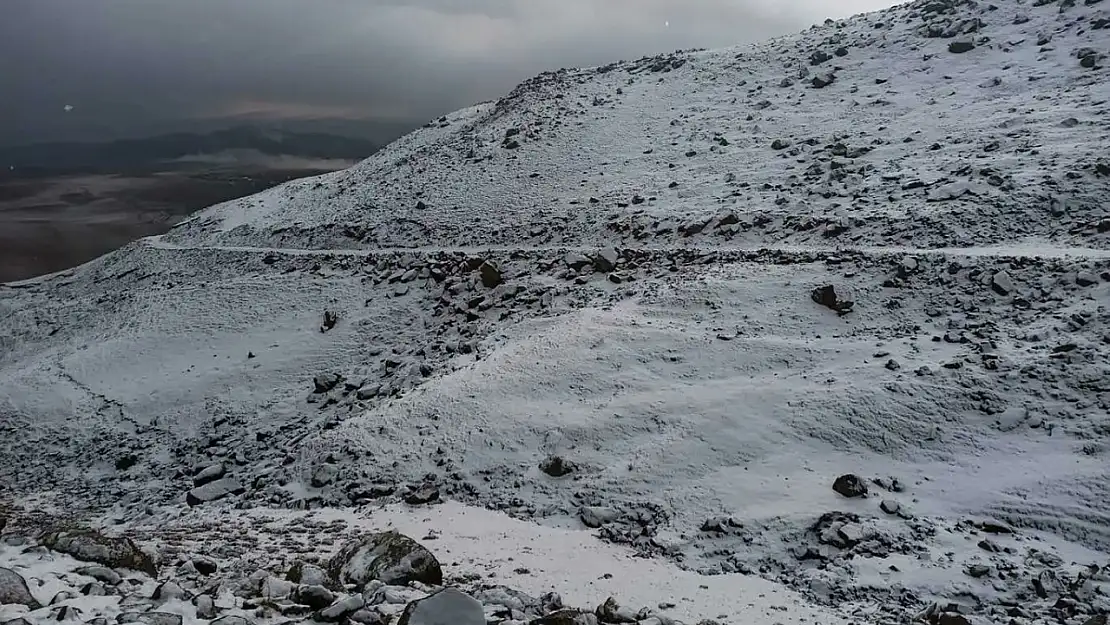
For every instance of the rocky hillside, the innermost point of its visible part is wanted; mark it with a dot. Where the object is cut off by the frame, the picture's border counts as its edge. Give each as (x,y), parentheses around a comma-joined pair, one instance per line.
(825,315)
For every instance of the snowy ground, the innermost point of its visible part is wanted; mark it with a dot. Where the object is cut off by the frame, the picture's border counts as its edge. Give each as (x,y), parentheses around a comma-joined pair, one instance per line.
(588,308)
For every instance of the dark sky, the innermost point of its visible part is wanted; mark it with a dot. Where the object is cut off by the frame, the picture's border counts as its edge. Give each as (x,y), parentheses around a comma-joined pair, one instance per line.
(129,66)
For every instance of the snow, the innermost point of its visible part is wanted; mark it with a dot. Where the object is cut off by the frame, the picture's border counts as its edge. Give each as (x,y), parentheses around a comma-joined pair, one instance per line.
(654,330)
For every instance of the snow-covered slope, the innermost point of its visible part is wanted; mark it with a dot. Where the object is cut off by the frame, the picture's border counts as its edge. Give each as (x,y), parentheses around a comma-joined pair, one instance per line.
(592,305)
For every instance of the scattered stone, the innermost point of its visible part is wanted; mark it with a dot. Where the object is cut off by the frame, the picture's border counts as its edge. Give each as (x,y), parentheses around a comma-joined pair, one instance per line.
(446,607)
(994,527)
(890,506)
(820,81)
(1086,278)
(91,546)
(827,297)
(490,274)
(566,617)
(315,597)
(780,144)
(307,574)
(336,611)
(1002,283)
(595,516)
(204,566)
(326,382)
(14,590)
(612,612)
(231,619)
(557,466)
(214,491)
(978,570)
(389,557)
(959,47)
(168,591)
(149,618)
(425,494)
(850,485)
(206,606)
(100,574)
(208,474)
(606,260)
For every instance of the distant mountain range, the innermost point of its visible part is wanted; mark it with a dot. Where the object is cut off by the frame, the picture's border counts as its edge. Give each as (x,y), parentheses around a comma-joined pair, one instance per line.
(178,149)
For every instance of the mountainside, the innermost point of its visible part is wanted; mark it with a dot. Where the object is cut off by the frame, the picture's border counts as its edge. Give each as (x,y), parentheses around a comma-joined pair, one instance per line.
(830,310)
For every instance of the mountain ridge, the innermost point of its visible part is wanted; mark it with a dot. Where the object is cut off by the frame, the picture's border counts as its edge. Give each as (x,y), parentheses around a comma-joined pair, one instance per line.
(829,310)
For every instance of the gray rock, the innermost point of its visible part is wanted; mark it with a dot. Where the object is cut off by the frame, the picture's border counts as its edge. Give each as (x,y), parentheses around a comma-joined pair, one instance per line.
(1002,283)
(204,566)
(366,617)
(890,506)
(829,298)
(208,474)
(446,607)
(206,606)
(149,618)
(557,466)
(100,574)
(850,485)
(577,260)
(315,597)
(324,474)
(390,557)
(231,619)
(326,381)
(168,591)
(490,275)
(1086,278)
(596,516)
(90,546)
(336,611)
(213,491)
(959,47)
(612,612)
(14,590)
(566,617)
(307,574)
(606,260)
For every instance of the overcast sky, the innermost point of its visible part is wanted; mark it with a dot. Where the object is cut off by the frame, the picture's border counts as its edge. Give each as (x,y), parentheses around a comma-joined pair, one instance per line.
(125,64)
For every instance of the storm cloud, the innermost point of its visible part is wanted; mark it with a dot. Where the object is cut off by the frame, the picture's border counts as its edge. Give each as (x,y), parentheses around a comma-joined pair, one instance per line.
(124,64)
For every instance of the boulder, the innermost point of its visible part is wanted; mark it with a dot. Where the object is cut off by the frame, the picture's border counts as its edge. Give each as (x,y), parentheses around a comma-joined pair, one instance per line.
(829,298)
(325,382)
(566,617)
(491,275)
(307,574)
(208,474)
(101,574)
(150,618)
(850,485)
(213,491)
(14,590)
(389,557)
(606,260)
(91,546)
(315,597)
(340,609)
(446,607)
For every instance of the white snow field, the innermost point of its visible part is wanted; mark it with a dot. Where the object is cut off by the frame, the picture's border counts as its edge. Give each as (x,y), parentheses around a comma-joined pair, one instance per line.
(588,327)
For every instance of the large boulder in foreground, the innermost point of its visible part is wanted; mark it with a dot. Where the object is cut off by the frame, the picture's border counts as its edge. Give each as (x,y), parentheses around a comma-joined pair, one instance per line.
(90,546)
(446,607)
(14,590)
(390,557)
